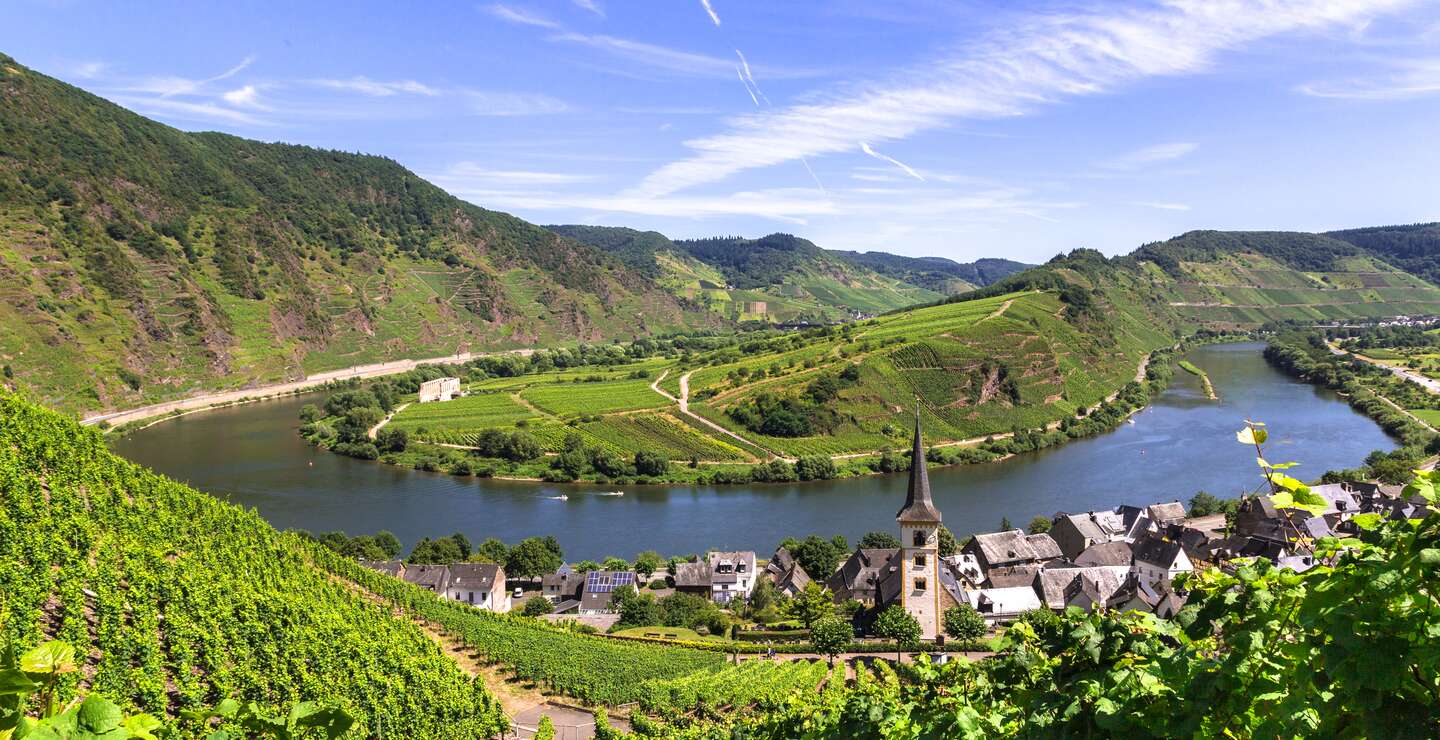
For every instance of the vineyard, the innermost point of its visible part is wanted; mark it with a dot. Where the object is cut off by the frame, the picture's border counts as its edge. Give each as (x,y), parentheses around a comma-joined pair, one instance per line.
(474,412)
(574,399)
(664,433)
(752,685)
(177,601)
(589,668)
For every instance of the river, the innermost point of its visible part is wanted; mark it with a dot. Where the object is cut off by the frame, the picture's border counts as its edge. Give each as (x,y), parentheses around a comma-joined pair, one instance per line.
(251,456)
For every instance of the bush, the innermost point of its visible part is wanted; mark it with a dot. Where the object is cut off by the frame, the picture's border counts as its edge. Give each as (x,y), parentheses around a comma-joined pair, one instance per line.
(391,439)
(651,463)
(815,467)
(536,606)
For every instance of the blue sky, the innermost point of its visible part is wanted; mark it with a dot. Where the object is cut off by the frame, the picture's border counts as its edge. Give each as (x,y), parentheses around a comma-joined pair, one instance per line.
(923,127)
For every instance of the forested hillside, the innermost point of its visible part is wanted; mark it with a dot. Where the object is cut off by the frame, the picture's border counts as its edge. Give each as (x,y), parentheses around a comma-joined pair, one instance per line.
(936,273)
(1414,248)
(139,262)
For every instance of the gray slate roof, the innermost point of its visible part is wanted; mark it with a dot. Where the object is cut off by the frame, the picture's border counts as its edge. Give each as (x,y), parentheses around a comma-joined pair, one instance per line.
(1153,550)
(918,506)
(1014,546)
(476,576)
(1106,553)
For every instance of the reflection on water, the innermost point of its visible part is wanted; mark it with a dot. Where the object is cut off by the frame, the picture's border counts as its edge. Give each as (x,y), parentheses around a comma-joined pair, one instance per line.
(1181,444)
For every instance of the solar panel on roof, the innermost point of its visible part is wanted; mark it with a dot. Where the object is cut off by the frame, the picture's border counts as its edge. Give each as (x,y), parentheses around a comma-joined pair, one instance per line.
(601,581)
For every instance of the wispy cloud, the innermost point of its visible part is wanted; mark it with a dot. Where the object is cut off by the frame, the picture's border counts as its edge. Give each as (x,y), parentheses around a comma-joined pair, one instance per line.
(378,88)
(1040,60)
(591,6)
(472,174)
(652,57)
(522,17)
(1414,78)
(864,147)
(1141,158)
(244,97)
(203,112)
(710,11)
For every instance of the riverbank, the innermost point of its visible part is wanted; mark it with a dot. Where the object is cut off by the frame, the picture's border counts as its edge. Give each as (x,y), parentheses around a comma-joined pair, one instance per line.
(1209,387)
(125,420)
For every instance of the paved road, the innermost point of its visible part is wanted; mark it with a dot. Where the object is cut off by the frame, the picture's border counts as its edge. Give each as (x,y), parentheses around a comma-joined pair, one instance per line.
(1429,384)
(224,398)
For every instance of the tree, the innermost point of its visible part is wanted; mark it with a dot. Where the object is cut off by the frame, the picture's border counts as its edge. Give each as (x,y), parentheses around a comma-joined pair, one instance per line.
(1205,504)
(812,604)
(536,606)
(815,467)
(830,636)
(388,543)
(570,464)
(964,624)
(1039,525)
(646,563)
(651,463)
(614,563)
(879,540)
(1005,525)
(817,555)
(948,545)
(546,729)
(521,447)
(391,439)
(687,610)
(493,551)
(899,625)
(585,566)
(763,596)
(531,558)
(636,609)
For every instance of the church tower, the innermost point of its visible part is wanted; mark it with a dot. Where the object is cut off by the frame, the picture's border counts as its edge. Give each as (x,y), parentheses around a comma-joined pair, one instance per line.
(920,545)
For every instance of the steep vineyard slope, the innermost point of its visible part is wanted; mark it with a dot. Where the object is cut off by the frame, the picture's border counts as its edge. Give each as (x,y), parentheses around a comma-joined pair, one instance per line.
(139,263)
(176,600)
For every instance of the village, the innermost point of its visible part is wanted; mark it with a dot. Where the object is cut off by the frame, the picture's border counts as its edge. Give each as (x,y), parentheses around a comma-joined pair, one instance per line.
(1124,558)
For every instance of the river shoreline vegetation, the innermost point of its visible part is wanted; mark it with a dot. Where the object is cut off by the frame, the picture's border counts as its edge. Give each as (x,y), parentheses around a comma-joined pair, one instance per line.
(1371,390)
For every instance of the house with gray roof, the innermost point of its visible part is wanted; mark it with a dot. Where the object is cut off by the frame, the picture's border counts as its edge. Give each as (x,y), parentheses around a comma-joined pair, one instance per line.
(433,578)
(1106,553)
(1075,532)
(785,572)
(1000,549)
(1058,586)
(597,595)
(392,568)
(481,585)
(1158,560)
(732,575)
(858,575)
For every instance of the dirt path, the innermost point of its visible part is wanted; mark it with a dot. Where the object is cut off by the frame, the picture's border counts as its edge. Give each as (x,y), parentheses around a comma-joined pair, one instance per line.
(999,311)
(656,387)
(684,402)
(376,429)
(1428,383)
(275,390)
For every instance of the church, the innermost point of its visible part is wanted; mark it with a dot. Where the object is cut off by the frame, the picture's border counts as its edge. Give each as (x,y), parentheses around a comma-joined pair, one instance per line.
(912,575)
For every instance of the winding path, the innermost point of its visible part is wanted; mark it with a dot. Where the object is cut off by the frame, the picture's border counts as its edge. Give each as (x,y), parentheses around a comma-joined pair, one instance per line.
(684,402)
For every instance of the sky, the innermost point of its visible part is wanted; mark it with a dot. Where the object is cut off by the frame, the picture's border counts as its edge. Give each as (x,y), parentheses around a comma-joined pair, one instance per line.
(954,128)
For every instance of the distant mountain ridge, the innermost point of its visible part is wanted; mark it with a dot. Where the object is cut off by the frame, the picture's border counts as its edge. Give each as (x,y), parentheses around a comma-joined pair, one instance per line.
(792,276)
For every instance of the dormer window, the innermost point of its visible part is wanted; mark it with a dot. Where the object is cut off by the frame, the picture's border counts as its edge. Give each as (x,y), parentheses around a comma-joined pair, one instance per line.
(920,538)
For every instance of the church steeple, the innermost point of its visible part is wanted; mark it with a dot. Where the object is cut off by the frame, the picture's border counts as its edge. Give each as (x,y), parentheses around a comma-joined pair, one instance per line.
(918,506)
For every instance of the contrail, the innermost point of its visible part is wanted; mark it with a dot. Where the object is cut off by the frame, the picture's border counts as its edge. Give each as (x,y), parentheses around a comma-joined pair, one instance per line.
(751,78)
(711,11)
(741,75)
(908,169)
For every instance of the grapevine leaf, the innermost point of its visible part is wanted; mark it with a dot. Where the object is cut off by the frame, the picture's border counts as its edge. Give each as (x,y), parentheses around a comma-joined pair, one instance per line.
(49,658)
(98,715)
(14,681)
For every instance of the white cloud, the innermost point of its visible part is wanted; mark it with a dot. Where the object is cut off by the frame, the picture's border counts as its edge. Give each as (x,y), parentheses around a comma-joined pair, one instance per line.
(1039,61)
(1416,77)
(907,168)
(89,70)
(244,97)
(522,17)
(1140,158)
(378,88)
(483,103)
(591,6)
(711,11)
(652,57)
(188,111)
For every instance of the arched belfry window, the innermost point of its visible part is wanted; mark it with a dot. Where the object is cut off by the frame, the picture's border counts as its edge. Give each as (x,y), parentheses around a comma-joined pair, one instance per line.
(920,538)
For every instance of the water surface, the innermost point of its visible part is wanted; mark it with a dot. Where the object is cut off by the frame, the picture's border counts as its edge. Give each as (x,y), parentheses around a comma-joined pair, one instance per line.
(252,456)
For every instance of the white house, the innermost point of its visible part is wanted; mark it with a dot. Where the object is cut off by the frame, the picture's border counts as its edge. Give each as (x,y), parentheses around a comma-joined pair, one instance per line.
(481,585)
(439,389)
(1158,560)
(732,575)
(1003,604)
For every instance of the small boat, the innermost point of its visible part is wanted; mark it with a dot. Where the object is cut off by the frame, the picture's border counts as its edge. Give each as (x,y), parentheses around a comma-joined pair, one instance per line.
(613,493)
(561,497)
(1130,421)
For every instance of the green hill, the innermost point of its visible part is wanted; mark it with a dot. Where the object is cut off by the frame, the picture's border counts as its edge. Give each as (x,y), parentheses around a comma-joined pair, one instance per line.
(777,278)
(1414,248)
(139,263)
(936,273)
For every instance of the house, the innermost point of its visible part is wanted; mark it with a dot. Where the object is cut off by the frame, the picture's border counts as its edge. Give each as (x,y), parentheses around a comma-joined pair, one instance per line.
(1012,575)
(967,568)
(693,578)
(600,587)
(999,549)
(439,389)
(1162,514)
(392,568)
(481,585)
(1075,532)
(1058,587)
(1107,553)
(785,572)
(1099,588)
(732,575)
(562,585)
(1159,598)
(433,578)
(858,575)
(1158,560)
(1003,604)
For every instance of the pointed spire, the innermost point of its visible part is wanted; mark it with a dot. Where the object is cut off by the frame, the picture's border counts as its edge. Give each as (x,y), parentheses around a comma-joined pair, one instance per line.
(918,506)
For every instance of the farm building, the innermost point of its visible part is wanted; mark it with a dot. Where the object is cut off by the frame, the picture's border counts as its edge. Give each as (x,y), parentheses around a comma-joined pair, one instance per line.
(439,389)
